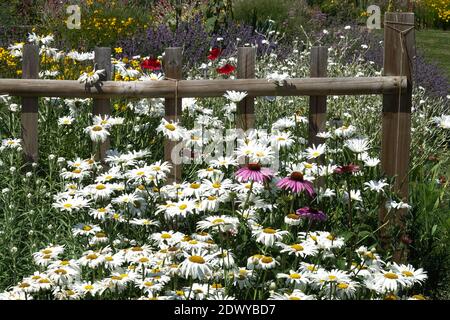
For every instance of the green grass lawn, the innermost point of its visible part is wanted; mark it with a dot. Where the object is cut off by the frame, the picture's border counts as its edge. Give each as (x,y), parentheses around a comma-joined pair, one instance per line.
(435,44)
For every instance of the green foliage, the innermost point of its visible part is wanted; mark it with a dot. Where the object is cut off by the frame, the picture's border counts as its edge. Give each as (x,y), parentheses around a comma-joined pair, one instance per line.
(289,15)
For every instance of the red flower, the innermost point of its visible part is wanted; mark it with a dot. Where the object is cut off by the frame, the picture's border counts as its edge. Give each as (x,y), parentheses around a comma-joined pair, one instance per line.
(226,69)
(351,168)
(151,64)
(214,53)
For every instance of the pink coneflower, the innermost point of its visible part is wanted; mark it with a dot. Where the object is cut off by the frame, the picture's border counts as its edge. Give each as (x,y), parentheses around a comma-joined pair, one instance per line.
(254,172)
(351,168)
(297,184)
(311,214)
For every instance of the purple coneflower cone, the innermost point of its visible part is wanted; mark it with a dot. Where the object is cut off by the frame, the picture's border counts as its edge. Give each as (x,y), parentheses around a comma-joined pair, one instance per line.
(297,184)
(311,214)
(254,172)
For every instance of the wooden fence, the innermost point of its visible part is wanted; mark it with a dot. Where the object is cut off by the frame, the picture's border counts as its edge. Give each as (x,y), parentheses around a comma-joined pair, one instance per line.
(395,86)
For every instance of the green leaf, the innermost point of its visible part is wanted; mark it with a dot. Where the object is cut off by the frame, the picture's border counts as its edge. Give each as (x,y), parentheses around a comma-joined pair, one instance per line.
(433,230)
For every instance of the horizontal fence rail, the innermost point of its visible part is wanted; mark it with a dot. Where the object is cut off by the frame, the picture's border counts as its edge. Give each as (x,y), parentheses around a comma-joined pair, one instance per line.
(204,88)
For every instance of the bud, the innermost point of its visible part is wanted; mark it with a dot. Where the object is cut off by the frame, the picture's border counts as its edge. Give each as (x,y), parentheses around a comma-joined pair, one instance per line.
(405,239)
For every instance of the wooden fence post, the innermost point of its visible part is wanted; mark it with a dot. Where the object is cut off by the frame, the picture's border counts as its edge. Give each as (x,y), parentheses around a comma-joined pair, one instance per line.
(172,65)
(29,115)
(317,104)
(246,70)
(399,51)
(102,106)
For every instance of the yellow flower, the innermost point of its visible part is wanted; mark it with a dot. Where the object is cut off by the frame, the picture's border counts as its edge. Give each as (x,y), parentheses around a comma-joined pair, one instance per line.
(118,50)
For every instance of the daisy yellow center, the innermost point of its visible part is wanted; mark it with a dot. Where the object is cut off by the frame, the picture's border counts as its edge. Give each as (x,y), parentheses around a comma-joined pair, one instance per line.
(331,237)
(101,210)
(24,285)
(64,263)
(294,298)
(109,258)
(370,255)
(418,297)
(87,228)
(217,221)
(67,205)
(316,153)
(311,268)
(332,277)
(266,260)
(342,285)
(166,236)
(76,171)
(70,292)
(195,185)
(197,259)
(97,128)
(91,256)
(308,165)
(193,242)
(390,275)
(88,287)
(170,127)
(156,168)
(210,169)
(216,286)
(140,173)
(211,198)
(183,206)
(295,276)
(136,249)
(60,271)
(297,247)
(46,251)
(269,231)
(407,273)
(293,216)
(216,185)
(148,284)
(143,260)
(100,235)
